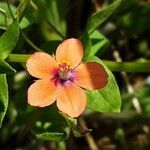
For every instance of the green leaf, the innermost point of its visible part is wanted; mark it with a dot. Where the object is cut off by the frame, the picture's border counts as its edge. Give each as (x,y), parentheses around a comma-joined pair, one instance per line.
(48,11)
(3,97)
(21,8)
(76,129)
(72,123)
(108,98)
(6,68)
(87,43)
(51,125)
(9,39)
(94,43)
(143,95)
(98,18)
(23,24)
(54,19)
(99,43)
(51,136)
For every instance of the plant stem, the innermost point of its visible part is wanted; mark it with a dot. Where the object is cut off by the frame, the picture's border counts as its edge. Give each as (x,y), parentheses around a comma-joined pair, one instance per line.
(30,42)
(56,30)
(22,58)
(34,6)
(112,65)
(129,87)
(128,66)
(89,138)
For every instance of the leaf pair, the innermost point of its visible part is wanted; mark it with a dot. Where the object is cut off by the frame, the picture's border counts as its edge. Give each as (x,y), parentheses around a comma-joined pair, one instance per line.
(7,43)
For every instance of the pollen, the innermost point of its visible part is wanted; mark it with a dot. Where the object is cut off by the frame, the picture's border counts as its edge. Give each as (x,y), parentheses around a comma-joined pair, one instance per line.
(63,75)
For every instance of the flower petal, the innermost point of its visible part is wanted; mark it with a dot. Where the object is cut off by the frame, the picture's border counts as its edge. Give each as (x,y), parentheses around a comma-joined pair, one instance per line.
(41,65)
(72,100)
(70,51)
(91,76)
(42,93)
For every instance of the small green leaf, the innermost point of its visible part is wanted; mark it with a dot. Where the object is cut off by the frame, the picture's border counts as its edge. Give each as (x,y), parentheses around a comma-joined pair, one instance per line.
(87,43)
(3,97)
(98,18)
(72,123)
(108,98)
(51,136)
(94,43)
(48,10)
(99,43)
(76,129)
(53,16)
(6,68)
(23,24)
(51,125)
(21,8)
(9,39)
(143,95)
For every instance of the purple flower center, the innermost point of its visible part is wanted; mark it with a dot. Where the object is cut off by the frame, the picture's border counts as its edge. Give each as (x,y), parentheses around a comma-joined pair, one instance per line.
(63,75)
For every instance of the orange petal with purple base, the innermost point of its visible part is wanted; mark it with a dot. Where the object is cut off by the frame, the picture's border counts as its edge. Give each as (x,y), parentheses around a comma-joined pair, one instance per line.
(42,93)
(91,76)
(72,100)
(70,52)
(41,65)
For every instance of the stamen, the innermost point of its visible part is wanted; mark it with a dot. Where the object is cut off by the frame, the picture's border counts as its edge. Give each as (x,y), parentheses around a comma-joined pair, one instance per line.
(63,75)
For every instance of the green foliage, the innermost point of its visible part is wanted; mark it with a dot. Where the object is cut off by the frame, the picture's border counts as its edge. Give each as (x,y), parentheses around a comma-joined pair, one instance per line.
(98,18)
(21,8)
(6,68)
(108,98)
(51,127)
(87,43)
(72,124)
(99,43)
(23,24)
(143,94)
(129,20)
(56,127)
(3,97)
(51,136)
(9,39)
(94,43)
(93,40)
(47,22)
(7,43)
(49,14)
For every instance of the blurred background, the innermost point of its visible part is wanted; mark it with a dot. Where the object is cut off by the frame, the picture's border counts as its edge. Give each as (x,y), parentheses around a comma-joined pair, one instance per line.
(127,38)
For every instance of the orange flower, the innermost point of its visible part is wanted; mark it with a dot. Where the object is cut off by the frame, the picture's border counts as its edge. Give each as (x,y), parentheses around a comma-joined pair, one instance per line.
(64,78)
